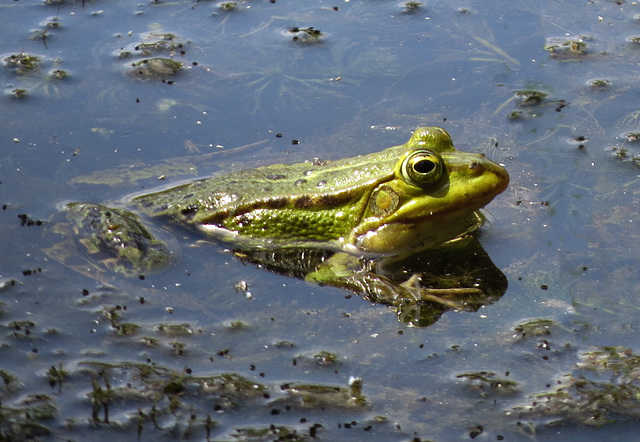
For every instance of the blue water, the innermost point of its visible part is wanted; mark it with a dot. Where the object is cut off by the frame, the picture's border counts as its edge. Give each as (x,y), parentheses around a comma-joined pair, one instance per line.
(564,233)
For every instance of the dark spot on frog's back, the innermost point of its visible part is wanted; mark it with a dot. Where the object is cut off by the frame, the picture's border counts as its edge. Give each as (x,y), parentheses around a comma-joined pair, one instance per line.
(303,202)
(190,211)
(153,207)
(146,204)
(318,162)
(275,176)
(334,200)
(277,203)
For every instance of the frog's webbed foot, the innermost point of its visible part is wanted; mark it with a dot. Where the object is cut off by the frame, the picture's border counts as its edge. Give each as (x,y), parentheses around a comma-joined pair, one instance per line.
(413,304)
(445,296)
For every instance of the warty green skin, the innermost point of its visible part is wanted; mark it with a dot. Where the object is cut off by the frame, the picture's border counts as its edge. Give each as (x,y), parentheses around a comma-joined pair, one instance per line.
(364,204)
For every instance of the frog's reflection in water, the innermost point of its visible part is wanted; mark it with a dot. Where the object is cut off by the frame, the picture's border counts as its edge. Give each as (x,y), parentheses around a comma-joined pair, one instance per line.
(419,287)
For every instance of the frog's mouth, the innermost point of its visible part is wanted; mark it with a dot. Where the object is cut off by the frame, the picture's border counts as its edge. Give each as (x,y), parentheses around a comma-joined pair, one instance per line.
(462,201)
(413,227)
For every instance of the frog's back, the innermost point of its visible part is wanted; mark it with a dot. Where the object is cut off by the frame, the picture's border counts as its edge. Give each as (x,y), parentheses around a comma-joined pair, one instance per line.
(313,200)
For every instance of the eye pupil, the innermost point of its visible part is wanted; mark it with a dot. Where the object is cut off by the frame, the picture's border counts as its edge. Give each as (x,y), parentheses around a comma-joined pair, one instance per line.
(424,166)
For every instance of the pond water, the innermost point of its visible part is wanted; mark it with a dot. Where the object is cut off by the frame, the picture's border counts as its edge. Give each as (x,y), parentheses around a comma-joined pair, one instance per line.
(548,89)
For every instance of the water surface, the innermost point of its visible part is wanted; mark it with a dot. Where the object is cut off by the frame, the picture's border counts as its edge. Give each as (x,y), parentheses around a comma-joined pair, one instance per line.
(549,90)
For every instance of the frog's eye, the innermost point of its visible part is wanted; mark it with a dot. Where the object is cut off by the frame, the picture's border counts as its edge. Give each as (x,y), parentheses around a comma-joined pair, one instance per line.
(423,168)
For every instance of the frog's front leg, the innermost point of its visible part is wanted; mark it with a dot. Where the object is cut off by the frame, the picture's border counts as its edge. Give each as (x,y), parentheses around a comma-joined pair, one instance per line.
(359,275)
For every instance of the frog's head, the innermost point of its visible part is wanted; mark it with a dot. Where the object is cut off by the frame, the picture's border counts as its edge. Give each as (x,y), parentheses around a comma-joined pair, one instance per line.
(432,196)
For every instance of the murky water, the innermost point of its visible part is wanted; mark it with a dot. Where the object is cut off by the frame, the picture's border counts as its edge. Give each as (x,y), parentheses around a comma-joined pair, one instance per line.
(549,90)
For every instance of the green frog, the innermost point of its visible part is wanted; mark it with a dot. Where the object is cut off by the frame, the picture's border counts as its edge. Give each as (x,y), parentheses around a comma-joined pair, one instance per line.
(353,215)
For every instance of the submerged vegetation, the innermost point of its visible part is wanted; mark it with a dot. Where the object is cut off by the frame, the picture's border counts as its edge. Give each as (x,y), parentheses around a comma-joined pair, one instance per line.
(157,67)
(412,6)
(28,70)
(602,388)
(149,398)
(157,52)
(306,35)
(22,63)
(560,47)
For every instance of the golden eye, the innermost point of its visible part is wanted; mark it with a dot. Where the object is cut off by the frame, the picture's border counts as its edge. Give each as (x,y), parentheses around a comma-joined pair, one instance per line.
(423,168)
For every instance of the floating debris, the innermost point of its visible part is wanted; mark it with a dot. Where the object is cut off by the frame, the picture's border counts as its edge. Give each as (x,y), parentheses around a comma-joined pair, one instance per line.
(22,62)
(411,6)
(228,6)
(156,68)
(598,84)
(566,47)
(306,35)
